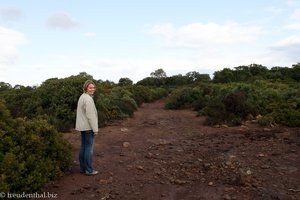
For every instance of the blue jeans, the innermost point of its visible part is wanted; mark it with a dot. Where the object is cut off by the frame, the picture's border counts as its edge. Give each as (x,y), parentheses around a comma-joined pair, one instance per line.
(86,151)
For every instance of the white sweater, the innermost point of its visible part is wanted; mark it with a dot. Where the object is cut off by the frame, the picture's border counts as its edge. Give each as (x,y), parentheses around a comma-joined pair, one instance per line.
(87,116)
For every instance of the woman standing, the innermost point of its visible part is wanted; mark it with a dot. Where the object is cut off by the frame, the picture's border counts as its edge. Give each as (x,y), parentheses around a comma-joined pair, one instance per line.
(87,124)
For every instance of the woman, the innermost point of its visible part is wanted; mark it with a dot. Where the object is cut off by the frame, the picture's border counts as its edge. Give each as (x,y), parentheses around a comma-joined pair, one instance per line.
(87,124)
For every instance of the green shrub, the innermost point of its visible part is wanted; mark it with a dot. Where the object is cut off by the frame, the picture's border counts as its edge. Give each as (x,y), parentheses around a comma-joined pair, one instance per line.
(32,152)
(288,117)
(158,93)
(200,103)
(215,112)
(184,97)
(141,94)
(266,120)
(236,121)
(102,105)
(127,105)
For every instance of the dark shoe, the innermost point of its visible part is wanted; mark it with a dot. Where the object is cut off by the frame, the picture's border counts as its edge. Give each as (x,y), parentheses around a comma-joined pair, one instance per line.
(92,173)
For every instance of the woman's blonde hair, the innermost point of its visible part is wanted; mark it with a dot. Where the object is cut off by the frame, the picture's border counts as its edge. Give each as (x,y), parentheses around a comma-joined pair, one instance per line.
(86,85)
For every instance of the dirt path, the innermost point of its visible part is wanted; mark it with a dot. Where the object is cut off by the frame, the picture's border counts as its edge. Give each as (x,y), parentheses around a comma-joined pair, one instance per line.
(165,154)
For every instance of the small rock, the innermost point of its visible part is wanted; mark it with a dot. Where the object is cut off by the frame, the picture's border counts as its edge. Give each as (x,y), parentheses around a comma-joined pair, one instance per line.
(179,182)
(88,186)
(260,155)
(106,181)
(245,177)
(206,166)
(124,130)
(140,168)
(228,163)
(226,197)
(243,126)
(210,183)
(149,155)
(126,144)
(258,116)
(163,142)
(250,117)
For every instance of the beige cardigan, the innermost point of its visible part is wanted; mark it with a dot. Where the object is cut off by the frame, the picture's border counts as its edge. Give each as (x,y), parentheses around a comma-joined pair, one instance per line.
(87,116)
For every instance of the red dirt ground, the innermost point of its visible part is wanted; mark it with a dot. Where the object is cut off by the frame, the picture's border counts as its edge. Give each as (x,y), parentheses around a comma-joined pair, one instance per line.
(168,154)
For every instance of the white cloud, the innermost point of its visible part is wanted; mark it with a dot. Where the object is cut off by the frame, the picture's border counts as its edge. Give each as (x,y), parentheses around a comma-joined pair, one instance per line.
(295,20)
(292,2)
(275,10)
(287,42)
(296,14)
(89,34)
(197,35)
(9,40)
(288,47)
(63,21)
(293,26)
(10,13)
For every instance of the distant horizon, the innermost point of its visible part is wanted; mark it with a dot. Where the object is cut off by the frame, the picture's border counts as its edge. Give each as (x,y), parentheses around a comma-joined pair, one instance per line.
(130,39)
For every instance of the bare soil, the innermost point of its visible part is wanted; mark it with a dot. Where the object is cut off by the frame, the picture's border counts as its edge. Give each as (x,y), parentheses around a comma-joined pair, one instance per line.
(164,154)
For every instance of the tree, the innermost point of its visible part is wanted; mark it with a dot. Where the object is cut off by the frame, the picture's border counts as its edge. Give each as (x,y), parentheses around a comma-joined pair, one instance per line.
(241,74)
(125,81)
(177,80)
(85,75)
(197,77)
(4,86)
(223,76)
(258,70)
(159,73)
(296,72)
(192,76)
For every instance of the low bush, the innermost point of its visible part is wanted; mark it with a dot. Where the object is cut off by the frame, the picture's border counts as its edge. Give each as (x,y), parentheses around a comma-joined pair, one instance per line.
(215,112)
(184,97)
(32,152)
(277,103)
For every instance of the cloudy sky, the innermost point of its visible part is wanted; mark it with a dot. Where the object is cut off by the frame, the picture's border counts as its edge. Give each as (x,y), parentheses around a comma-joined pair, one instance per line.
(113,39)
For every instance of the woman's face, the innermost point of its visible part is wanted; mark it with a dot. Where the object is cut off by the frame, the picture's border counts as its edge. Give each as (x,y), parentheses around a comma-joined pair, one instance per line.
(91,89)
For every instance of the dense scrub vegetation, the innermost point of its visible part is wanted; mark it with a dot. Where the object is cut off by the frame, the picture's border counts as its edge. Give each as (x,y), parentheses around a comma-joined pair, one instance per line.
(56,100)
(246,93)
(32,150)
(232,103)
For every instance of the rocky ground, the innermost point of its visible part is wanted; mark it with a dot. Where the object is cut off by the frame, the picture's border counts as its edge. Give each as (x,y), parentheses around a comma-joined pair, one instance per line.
(168,154)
